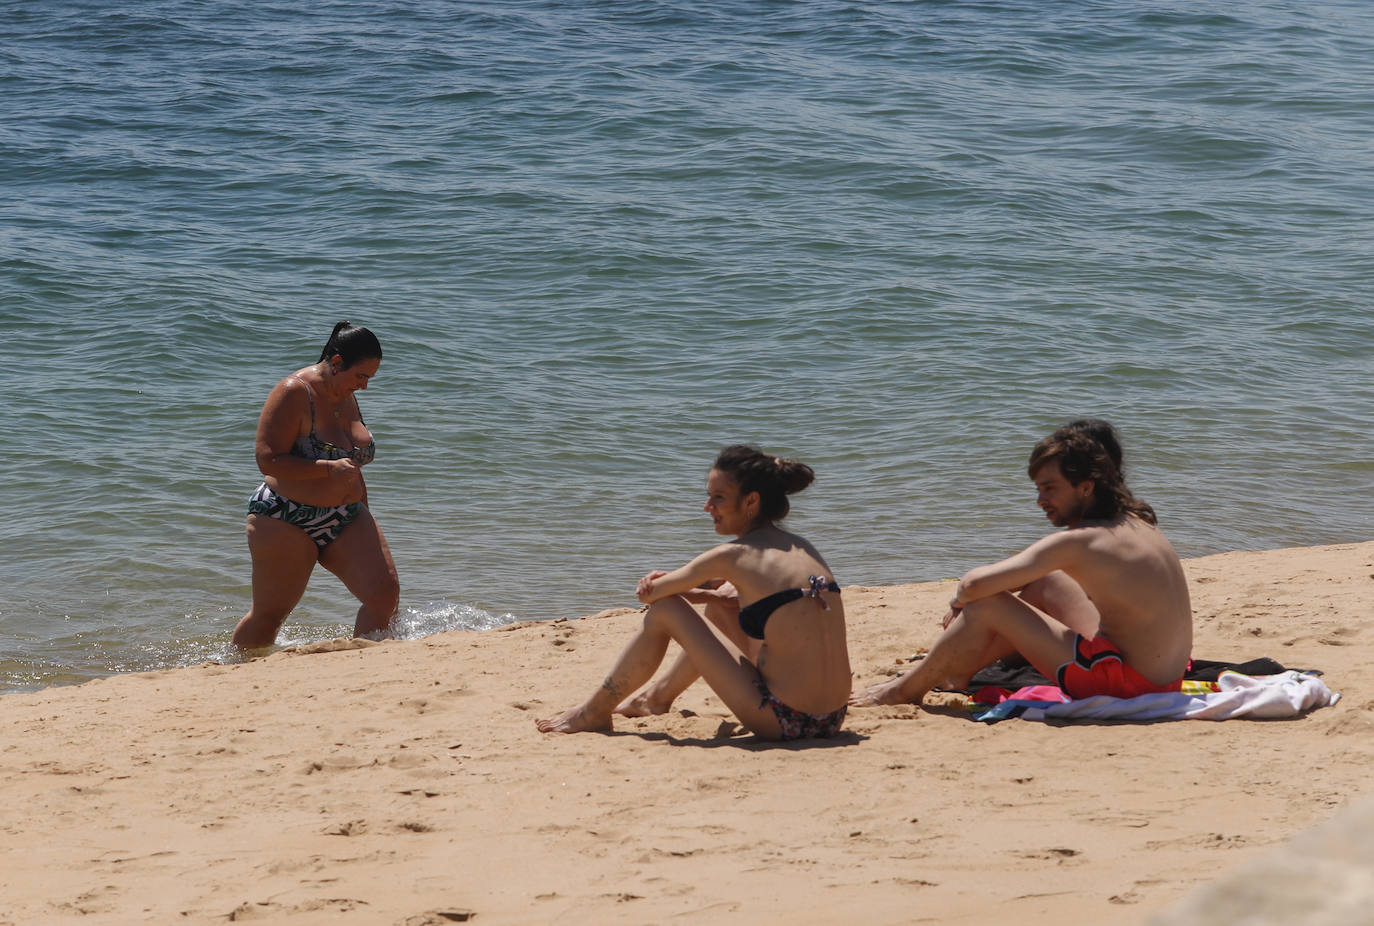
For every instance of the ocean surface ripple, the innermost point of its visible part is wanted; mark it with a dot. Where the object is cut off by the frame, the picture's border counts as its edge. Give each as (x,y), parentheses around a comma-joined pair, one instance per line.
(600,240)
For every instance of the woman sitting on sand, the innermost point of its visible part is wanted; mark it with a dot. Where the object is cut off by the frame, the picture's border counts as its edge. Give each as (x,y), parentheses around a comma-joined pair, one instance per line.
(311,446)
(785,668)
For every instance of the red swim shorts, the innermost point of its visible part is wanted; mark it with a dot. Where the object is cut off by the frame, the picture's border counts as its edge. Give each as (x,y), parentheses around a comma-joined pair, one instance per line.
(1097,668)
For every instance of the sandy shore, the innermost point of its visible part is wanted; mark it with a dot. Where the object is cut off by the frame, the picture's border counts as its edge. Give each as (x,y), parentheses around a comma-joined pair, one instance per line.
(404,783)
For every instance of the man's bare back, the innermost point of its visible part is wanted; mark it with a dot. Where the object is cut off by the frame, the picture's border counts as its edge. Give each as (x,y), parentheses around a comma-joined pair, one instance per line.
(1133,577)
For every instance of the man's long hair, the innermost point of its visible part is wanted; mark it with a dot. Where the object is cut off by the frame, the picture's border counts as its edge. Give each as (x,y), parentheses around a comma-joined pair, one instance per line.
(1084,451)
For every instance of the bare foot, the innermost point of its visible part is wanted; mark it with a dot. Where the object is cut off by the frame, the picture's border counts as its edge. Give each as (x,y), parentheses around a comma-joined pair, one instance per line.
(575,720)
(642,705)
(889,692)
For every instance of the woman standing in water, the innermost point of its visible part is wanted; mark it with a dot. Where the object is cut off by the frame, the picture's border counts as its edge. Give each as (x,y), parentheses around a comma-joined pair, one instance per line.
(311,446)
(793,679)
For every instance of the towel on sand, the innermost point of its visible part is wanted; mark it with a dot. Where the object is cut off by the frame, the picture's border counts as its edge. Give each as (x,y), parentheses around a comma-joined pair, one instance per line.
(1286,694)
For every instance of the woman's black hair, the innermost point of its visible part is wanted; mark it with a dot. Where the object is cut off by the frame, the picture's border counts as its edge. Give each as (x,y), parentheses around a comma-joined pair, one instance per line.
(352,343)
(773,478)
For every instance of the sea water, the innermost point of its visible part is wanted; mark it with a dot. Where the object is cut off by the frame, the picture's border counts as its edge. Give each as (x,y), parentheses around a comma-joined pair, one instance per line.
(600,240)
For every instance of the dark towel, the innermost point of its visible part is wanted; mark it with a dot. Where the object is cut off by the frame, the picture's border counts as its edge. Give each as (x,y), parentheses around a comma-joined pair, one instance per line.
(1014,672)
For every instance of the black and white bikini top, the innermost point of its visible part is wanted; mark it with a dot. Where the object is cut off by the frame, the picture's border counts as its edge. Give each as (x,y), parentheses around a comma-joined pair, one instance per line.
(313,447)
(753,616)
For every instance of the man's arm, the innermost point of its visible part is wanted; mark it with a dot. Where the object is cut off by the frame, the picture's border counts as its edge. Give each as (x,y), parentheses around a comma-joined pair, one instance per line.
(1056,551)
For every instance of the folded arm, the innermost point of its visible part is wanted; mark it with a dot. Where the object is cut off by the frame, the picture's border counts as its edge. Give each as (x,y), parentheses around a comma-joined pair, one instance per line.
(686,580)
(1057,551)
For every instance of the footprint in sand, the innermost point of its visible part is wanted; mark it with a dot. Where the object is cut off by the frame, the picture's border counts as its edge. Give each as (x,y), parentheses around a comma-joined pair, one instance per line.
(350,828)
(440,918)
(1057,852)
(1334,637)
(1358,723)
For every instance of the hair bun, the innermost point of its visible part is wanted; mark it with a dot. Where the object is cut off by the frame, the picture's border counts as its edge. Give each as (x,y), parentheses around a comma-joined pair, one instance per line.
(794,474)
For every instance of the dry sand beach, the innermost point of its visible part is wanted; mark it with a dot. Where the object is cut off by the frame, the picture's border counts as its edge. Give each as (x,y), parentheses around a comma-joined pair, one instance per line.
(404,783)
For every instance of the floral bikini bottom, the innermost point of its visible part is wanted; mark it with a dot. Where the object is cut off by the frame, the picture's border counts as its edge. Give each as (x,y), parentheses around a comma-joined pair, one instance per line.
(797,725)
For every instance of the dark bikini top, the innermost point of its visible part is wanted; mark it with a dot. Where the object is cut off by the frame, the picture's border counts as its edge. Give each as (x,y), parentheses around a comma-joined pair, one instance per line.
(313,447)
(753,616)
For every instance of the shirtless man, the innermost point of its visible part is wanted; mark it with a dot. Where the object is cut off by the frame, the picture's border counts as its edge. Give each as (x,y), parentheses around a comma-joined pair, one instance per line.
(1101,607)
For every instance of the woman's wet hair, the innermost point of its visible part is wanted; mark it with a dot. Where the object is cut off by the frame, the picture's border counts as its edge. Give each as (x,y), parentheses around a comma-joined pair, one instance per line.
(772,477)
(1089,450)
(352,343)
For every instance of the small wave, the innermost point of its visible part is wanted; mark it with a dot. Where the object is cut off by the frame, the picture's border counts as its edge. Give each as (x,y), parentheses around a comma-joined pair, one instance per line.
(440,616)
(83,657)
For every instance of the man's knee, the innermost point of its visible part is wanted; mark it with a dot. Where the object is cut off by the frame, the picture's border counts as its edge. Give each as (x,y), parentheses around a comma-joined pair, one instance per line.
(1037,593)
(988,613)
(980,610)
(1063,599)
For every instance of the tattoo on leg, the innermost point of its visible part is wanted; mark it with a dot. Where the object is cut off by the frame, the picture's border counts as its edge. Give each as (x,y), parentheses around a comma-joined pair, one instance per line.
(610,685)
